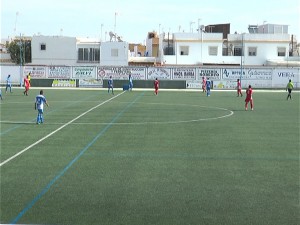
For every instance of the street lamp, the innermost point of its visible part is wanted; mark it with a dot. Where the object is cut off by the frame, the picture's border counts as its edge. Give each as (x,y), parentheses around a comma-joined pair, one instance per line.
(15,29)
(199,25)
(101,32)
(264,26)
(191,29)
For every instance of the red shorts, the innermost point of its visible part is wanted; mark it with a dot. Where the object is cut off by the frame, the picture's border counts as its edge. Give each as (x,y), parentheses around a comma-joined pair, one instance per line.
(248,99)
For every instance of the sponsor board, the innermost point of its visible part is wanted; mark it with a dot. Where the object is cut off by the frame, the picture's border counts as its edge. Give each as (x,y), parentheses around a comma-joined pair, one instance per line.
(183,73)
(59,72)
(63,83)
(35,71)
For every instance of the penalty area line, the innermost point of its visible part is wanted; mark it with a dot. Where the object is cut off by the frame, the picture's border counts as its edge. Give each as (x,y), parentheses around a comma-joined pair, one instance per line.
(58,129)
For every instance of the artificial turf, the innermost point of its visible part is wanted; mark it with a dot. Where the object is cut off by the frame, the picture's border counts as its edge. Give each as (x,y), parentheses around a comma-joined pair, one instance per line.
(176,158)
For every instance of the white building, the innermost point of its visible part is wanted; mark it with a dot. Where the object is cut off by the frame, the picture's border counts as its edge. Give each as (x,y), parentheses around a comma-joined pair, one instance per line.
(249,49)
(71,51)
(114,54)
(53,50)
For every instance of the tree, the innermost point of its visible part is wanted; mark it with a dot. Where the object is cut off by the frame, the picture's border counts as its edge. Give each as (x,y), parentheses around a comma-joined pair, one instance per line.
(17,46)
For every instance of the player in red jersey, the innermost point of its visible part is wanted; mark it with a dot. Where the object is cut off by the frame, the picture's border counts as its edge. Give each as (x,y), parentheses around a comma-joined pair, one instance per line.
(27,85)
(249,98)
(239,88)
(203,84)
(156,86)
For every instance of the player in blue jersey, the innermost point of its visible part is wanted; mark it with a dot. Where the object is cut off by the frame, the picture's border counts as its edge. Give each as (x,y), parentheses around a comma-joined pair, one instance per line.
(8,84)
(208,85)
(40,100)
(110,85)
(130,83)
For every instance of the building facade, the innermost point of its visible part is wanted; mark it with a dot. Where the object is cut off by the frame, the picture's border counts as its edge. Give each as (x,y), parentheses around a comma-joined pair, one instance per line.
(267,44)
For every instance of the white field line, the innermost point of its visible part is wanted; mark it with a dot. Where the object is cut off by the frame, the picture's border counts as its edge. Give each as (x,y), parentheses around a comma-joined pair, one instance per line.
(55,131)
(270,90)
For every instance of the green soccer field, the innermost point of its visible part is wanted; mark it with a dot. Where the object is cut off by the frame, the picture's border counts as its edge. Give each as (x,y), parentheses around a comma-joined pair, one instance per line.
(136,158)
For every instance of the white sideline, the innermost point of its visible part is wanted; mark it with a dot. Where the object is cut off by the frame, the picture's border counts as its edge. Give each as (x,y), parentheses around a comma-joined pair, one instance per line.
(58,129)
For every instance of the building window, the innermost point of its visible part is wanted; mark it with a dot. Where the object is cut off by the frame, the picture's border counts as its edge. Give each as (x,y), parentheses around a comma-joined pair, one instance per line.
(114,52)
(213,50)
(97,55)
(252,51)
(80,54)
(281,51)
(89,54)
(92,54)
(85,54)
(184,50)
(237,51)
(43,47)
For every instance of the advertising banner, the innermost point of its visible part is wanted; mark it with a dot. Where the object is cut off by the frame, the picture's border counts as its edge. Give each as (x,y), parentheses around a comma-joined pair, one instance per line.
(159,73)
(138,73)
(121,73)
(246,74)
(232,84)
(281,76)
(35,71)
(212,74)
(92,83)
(57,72)
(84,72)
(193,84)
(63,83)
(184,73)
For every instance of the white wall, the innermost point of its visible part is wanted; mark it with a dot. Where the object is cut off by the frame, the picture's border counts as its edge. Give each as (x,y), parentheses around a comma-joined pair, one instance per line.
(266,44)
(16,74)
(106,58)
(59,50)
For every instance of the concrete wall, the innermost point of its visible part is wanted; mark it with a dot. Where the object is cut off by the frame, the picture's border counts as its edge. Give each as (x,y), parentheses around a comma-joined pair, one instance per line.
(222,77)
(266,45)
(59,50)
(107,58)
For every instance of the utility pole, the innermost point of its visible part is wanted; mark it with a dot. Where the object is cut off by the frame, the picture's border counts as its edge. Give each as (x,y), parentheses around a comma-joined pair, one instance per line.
(115,27)
(242,52)
(21,60)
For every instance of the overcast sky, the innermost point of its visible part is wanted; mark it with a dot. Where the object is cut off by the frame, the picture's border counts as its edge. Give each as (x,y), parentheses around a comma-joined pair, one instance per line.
(135,18)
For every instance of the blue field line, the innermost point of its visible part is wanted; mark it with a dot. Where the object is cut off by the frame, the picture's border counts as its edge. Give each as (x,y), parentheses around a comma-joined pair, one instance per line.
(60,174)
(33,120)
(154,154)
